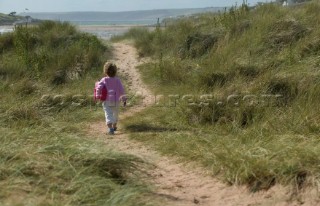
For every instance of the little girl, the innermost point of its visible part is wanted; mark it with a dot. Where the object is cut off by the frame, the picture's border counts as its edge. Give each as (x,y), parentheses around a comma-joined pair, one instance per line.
(115,94)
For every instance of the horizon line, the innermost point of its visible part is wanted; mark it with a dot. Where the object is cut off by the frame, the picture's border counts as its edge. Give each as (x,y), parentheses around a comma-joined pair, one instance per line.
(124,10)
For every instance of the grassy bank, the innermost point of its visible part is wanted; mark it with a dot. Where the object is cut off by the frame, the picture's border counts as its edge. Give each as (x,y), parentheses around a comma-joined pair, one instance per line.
(260,126)
(47,75)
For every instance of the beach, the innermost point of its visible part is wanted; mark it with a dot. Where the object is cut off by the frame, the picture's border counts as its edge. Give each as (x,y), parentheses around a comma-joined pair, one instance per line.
(101,31)
(5,29)
(107,31)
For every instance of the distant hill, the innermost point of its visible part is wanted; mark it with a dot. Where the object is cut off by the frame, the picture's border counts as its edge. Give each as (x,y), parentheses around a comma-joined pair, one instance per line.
(9,20)
(147,16)
(6,19)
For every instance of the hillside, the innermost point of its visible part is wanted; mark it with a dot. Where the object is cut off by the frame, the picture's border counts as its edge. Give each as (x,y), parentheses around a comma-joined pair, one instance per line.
(240,94)
(148,16)
(9,20)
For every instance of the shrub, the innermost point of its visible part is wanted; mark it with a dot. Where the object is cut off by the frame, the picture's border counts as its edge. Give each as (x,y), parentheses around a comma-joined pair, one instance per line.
(240,27)
(21,112)
(12,68)
(247,71)
(222,112)
(284,87)
(59,77)
(214,79)
(6,42)
(197,45)
(311,48)
(25,87)
(174,71)
(285,32)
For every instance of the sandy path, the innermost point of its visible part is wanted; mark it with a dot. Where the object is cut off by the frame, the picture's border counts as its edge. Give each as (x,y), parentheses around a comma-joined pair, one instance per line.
(181,184)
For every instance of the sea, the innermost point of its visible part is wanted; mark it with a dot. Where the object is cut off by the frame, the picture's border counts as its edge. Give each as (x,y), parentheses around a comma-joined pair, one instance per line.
(102,29)
(108,29)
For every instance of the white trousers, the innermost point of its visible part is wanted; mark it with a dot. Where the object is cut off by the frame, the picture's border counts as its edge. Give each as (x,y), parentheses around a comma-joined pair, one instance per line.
(111,111)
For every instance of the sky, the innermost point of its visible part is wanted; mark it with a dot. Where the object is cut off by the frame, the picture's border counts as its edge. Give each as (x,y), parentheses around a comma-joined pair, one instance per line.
(19,6)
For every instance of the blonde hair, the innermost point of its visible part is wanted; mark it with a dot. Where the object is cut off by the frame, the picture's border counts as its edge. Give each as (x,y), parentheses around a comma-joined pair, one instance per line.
(110,69)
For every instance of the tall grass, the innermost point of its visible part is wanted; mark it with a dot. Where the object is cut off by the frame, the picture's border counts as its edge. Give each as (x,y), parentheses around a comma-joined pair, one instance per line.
(48,48)
(261,67)
(46,155)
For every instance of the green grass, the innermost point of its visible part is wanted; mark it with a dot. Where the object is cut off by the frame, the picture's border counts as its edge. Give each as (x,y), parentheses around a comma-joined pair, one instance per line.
(242,139)
(47,156)
(54,162)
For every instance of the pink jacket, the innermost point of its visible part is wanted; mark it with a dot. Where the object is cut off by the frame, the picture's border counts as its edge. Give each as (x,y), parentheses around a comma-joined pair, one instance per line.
(114,87)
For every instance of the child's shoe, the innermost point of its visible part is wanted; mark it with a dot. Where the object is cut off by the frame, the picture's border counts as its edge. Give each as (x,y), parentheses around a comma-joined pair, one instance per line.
(111,131)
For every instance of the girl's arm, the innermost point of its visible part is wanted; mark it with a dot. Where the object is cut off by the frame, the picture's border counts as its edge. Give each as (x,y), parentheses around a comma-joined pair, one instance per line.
(101,84)
(121,91)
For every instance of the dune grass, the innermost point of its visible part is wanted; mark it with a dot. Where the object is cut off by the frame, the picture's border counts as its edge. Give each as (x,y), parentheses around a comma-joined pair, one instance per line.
(47,157)
(260,126)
